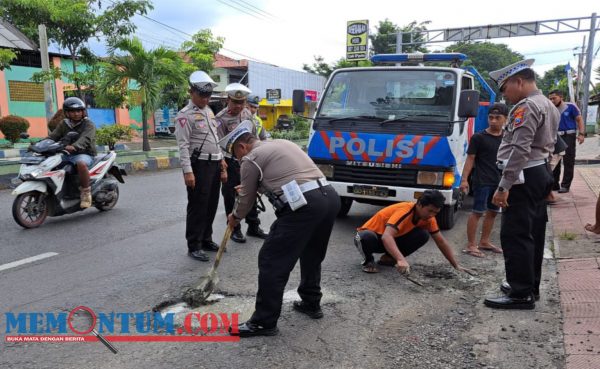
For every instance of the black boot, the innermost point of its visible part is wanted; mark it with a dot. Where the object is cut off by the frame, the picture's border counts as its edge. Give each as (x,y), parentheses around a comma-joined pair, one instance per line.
(237,235)
(254,230)
(313,311)
(250,329)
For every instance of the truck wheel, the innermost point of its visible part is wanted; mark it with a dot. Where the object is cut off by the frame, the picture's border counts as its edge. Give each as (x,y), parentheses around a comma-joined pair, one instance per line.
(30,209)
(345,208)
(446,217)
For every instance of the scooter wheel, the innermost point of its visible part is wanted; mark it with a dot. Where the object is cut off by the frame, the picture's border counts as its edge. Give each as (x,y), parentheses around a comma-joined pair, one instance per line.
(111,204)
(30,209)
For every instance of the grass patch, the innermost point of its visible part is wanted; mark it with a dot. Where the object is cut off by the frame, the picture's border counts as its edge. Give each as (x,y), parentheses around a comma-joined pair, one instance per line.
(567,236)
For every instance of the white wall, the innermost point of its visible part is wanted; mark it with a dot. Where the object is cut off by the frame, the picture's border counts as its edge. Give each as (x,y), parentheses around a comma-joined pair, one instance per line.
(264,76)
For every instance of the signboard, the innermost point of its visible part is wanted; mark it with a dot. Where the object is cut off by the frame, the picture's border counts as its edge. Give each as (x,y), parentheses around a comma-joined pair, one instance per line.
(273,93)
(592,114)
(357,40)
(310,95)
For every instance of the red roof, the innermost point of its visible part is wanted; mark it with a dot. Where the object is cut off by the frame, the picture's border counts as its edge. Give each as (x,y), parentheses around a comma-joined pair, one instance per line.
(222,61)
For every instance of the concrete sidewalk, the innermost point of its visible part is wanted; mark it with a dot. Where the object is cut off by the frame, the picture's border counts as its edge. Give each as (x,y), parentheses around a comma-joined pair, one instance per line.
(578,254)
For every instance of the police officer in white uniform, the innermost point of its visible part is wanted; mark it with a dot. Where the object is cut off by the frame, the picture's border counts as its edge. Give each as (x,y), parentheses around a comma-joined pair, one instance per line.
(202,163)
(523,157)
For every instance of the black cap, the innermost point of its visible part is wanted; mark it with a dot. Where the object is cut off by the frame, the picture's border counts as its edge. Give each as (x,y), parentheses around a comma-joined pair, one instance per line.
(499,108)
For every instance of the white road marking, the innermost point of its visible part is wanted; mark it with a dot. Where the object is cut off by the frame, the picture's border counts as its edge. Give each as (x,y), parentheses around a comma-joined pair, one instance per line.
(17,263)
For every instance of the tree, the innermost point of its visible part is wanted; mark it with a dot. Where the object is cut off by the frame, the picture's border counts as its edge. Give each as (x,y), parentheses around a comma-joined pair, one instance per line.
(486,57)
(202,49)
(555,79)
(71,23)
(129,61)
(6,57)
(319,66)
(384,39)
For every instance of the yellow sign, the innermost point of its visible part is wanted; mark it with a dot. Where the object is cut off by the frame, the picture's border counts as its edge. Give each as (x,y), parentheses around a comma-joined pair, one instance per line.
(357,40)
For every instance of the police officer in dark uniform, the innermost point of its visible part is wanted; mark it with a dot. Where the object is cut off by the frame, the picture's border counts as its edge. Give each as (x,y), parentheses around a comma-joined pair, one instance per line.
(202,163)
(305,206)
(523,157)
(228,119)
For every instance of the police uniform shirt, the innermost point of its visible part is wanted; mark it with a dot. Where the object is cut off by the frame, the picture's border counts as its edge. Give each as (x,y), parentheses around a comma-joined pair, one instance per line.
(529,135)
(227,122)
(195,128)
(269,166)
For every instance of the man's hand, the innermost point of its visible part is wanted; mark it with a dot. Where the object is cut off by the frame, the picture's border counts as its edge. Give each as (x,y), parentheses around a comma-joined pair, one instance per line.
(580,138)
(466,270)
(402,267)
(232,221)
(190,179)
(464,186)
(500,199)
(238,188)
(223,176)
(70,148)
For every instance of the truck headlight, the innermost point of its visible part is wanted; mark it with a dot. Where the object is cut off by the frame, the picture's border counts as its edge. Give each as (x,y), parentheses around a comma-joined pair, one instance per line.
(444,179)
(326,169)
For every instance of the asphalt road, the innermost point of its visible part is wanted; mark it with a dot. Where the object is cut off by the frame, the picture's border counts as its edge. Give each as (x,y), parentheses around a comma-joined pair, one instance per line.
(133,257)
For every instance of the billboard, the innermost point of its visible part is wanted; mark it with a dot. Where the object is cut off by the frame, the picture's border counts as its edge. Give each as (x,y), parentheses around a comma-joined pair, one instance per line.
(357,40)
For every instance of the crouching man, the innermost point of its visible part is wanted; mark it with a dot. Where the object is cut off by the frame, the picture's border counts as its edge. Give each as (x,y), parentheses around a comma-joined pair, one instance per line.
(401,229)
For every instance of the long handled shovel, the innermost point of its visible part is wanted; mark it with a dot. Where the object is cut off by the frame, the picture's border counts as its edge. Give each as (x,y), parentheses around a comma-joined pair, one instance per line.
(198,295)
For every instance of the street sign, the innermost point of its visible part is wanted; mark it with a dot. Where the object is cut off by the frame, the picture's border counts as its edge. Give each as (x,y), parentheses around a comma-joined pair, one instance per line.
(357,40)
(311,95)
(273,93)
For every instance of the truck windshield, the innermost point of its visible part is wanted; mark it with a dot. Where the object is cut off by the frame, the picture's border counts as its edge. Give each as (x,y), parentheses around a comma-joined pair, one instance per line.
(391,94)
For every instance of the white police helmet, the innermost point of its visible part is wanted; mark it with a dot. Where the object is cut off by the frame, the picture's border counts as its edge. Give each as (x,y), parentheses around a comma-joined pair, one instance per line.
(201,82)
(237,91)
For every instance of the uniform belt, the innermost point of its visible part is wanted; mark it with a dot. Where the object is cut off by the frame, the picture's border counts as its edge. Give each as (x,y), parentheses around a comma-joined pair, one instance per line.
(308,186)
(567,132)
(530,164)
(211,157)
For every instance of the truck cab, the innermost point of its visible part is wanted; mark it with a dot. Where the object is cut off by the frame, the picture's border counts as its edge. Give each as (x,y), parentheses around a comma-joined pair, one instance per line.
(386,134)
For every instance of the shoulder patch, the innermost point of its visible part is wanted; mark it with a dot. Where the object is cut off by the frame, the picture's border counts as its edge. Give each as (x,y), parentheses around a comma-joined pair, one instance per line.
(519,116)
(182,121)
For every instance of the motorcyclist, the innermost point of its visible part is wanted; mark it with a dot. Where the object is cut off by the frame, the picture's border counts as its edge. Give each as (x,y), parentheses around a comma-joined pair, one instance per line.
(83,150)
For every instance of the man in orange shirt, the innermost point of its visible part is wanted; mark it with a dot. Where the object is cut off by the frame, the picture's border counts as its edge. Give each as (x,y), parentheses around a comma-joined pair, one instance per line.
(401,229)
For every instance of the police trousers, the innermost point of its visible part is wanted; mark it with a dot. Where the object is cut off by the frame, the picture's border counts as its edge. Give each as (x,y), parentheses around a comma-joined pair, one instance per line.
(407,243)
(228,192)
(523,231)
(302,234)
(568,161)
(203,201)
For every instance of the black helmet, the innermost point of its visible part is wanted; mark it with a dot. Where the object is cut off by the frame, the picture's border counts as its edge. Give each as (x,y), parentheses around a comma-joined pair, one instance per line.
(73,103)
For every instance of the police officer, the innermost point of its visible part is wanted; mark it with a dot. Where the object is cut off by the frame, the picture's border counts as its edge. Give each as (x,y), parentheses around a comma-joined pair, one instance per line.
(305,206)
(523,155)
(202,163)
(253,103)
(228,119)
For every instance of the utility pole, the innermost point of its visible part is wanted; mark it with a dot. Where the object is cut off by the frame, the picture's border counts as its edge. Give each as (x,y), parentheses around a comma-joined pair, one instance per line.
(46,68)
(588,68)
(580,74)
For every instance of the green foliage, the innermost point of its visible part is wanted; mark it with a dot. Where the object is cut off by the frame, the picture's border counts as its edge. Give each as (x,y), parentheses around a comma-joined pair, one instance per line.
(383,41)
(6,56)
(486,57)
(300,131)
(110,134)
(321,68)
(12,126)
(58,117)
(202,49)
(150,69)
(71,23)
(555,79)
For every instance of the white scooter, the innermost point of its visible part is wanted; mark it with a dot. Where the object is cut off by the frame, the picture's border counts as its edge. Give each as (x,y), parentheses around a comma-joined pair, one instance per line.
(51,185)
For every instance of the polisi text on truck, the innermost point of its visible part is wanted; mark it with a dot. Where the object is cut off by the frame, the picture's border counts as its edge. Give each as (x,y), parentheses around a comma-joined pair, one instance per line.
(358,146)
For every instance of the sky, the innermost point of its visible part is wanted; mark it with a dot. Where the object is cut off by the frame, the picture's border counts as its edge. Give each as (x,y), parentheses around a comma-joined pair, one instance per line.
(290,33)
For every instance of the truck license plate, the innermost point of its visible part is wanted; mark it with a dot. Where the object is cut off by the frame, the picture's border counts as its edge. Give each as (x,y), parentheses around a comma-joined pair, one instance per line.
(370,190)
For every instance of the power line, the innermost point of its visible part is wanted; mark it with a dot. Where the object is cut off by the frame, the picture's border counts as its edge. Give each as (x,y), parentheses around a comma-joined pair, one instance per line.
(241,10)
(258,12)
(259,9)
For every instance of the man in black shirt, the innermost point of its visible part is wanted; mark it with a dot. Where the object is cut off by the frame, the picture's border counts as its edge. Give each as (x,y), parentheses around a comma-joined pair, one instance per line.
(482,152)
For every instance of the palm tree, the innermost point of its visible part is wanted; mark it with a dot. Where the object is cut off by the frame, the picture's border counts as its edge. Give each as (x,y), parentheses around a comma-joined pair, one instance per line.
(148,69)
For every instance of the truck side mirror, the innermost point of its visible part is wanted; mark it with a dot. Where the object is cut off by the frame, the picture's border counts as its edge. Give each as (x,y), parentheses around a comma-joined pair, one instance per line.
(468,105)
(298,100)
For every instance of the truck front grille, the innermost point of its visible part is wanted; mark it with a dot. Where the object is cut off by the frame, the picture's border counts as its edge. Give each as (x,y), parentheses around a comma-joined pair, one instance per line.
(376,176)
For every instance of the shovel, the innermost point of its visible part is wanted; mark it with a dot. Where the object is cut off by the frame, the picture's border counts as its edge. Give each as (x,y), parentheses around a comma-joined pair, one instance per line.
(198,295)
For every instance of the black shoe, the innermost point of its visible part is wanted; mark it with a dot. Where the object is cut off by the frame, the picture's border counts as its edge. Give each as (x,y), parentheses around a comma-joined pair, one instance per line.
(563,190)
(507,302)
(256,231)
(250,329)
(210,246)
(505,288)
(198,255)
(313,312)
(238,236)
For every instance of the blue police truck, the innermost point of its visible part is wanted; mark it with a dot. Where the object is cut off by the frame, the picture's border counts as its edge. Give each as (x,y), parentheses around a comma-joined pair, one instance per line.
(385,134)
